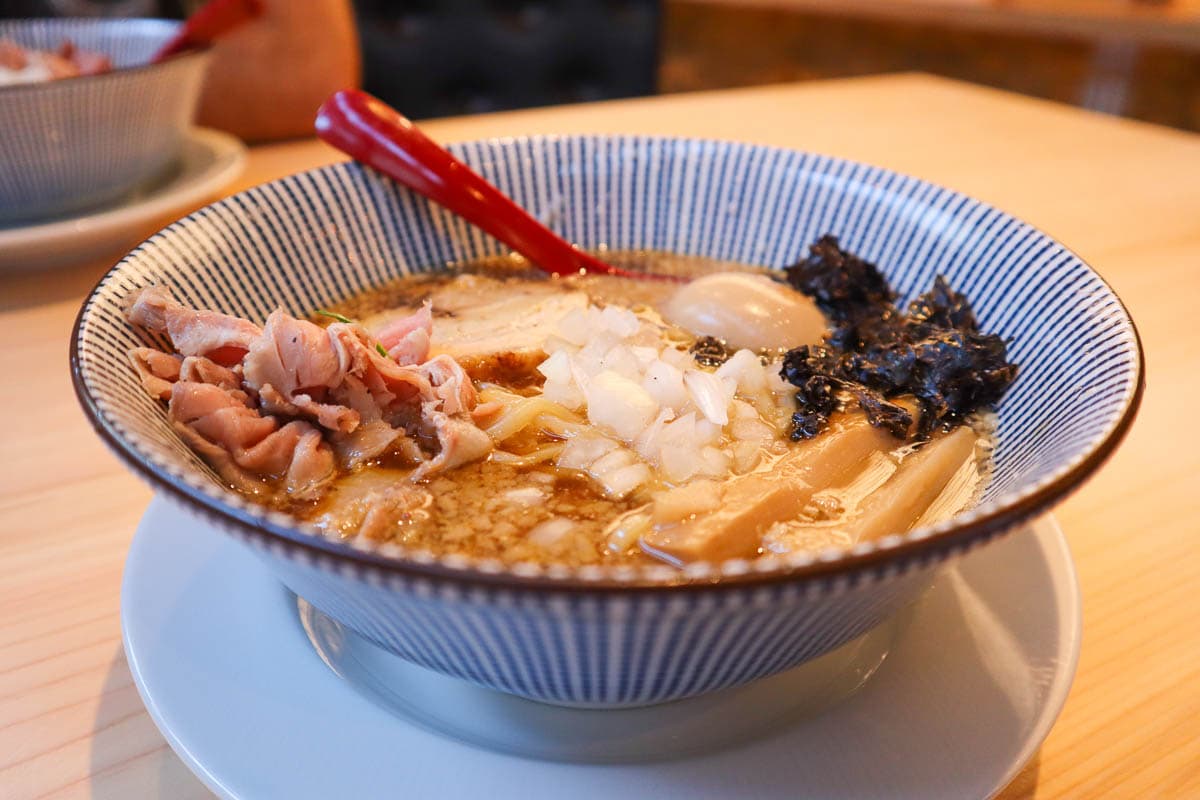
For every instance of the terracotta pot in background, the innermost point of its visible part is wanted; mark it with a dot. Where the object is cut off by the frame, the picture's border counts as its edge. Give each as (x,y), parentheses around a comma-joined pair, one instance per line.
(266,80)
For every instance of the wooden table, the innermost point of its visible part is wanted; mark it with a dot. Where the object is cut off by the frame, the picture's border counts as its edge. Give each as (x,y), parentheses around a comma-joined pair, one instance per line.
(1126,196)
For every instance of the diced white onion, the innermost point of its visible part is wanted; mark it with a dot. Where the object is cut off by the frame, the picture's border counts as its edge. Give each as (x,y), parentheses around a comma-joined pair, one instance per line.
(746,455)
(621,360)
(557,367)
(751,430)
(678,463)
(681,431)
(715,462)
(741,365)
(645,355)
(621,321)
(619,404)
(623,481)
(667,413)
(710,395)
(664,383)
(582,451)
(615,459)
(740,409)
(679,359)
(647,442)
(565,394)
(707,432)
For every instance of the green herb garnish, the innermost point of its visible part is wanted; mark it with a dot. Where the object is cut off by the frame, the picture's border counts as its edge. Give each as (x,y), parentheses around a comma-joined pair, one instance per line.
(382,352)
(334,315)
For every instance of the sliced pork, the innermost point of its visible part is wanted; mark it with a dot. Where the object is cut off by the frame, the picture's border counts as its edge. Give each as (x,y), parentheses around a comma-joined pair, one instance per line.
(297,454)
(407,338)
(221,416)
(330,416)
(371,440)
(292,355)
(251,446)
(460,443)
(158,370)
(494,329)
(27,65)
(199,369)
(220,337)
(286,404)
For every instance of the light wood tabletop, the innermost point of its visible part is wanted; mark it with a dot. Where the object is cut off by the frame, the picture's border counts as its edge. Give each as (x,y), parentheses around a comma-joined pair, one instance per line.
(1124,195)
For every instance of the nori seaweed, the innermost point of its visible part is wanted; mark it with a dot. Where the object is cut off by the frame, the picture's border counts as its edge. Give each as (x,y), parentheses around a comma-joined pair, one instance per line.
(933,351)
(709,351)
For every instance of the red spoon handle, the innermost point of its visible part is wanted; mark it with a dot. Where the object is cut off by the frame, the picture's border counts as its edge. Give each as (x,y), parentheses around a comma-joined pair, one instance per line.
(370,131)
(210,21)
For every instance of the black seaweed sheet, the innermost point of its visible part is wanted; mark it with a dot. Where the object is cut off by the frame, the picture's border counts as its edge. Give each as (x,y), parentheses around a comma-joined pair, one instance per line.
(876,352)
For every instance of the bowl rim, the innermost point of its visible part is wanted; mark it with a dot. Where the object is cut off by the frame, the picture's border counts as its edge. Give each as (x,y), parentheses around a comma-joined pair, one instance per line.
(80,80)
(934,543)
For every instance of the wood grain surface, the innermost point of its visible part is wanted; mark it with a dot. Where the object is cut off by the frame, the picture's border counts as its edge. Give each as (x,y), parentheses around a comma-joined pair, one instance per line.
(1125,196)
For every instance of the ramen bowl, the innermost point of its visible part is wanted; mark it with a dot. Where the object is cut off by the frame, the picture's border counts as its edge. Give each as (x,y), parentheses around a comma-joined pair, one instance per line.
(83,142)
(624,636)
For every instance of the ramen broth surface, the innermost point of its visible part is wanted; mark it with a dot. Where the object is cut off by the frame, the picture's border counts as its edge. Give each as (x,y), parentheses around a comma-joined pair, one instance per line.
(547,514)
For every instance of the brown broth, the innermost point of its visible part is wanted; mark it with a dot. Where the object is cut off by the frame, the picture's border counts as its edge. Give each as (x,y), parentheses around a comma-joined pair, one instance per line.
(500,511)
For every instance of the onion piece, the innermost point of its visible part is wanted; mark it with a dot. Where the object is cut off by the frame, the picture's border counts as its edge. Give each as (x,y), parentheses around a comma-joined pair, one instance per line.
(664,383)
(557,367)
(619,404)
(615,459)
(678,463)
(582,451)
(621,321)
(621,482)
(647,444)
(710,394)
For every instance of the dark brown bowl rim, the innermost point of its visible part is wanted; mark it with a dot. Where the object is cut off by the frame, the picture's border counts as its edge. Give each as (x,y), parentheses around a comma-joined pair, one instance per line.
(952,538)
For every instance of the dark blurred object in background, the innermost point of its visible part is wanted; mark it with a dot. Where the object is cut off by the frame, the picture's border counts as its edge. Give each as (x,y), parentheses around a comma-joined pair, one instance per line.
(441,57)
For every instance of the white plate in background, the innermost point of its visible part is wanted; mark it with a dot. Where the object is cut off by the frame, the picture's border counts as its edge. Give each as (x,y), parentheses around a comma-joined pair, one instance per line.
(210,161)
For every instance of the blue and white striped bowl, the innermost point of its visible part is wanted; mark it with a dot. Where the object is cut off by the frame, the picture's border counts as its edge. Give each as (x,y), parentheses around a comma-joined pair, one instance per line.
(78,143)
(616,637)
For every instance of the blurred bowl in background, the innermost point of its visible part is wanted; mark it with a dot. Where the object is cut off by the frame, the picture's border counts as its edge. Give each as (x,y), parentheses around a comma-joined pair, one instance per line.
(83,142)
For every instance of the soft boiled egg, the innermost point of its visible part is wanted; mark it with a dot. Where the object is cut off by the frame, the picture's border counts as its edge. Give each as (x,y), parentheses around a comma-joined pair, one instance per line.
(746,311)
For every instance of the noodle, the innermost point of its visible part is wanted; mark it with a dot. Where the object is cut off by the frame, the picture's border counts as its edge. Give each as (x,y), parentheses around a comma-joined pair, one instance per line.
(538,456)
(521,412)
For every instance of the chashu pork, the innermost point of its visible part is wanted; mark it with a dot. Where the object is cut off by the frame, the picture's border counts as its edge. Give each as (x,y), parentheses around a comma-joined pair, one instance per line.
(493,328)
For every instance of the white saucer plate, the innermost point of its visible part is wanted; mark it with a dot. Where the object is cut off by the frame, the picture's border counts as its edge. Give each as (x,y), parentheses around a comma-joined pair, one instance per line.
(962,689)
(210,161)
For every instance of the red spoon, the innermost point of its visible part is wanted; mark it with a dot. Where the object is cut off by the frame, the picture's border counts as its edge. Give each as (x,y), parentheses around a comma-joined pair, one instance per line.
(370,131)
(212,20)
